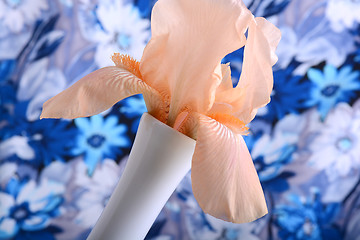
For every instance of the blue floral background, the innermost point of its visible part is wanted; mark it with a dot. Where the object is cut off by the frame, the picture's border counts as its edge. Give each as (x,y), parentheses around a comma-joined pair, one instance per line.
(57,175)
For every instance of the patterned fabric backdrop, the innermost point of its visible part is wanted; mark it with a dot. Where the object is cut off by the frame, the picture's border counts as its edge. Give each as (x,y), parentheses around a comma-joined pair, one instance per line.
(57,175)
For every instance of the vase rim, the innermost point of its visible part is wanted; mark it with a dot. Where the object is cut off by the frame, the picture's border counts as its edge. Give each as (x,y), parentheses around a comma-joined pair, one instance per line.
(156,121)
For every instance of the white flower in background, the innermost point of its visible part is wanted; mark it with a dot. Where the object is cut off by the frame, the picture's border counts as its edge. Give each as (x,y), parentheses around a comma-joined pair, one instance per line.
(14,42)
(6,172)
(38,84)
(29,206)
(311,48)
(202,226)
(70,3)
(124,31)
(16,145)
(286,133)
(57,171)
(96,190)
(273,152)
(336,149)
(343,14)
(15,14)
(231,231)
(310,39)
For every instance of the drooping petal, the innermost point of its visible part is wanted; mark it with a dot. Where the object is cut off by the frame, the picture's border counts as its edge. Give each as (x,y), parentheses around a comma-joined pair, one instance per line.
(97,92)
(189,38)
(224,179)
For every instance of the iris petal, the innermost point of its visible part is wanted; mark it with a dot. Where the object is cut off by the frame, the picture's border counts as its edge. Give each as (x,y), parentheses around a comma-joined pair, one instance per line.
(256,81)
(224,179)
(189,39)
(99,91)
(257,77)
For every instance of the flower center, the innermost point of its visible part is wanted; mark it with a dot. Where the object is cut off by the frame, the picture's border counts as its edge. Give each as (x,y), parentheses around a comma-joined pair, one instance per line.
(344,144)
(330,90)
(13,3)
(96,140)
(37,137)
(123,41)
(307,227)
(20,212)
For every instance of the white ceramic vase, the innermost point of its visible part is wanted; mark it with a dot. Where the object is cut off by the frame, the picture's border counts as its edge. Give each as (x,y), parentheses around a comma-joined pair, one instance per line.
(159,159)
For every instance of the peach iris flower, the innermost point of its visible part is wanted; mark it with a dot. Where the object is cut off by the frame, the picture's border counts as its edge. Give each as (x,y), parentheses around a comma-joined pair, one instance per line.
(185,86)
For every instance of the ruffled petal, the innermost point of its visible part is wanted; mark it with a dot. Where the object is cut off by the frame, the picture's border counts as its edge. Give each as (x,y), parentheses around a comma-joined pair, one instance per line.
(189,38)
(226,82)
(97,92)
(224,179)
(256,81)
(235,124)
(257,78)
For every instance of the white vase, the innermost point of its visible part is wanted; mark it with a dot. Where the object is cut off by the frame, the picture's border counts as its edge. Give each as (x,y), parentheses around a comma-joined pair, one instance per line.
(159,159)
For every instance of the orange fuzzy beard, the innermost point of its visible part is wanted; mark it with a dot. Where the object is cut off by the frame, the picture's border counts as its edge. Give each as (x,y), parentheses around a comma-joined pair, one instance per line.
(234,123)
(127,62)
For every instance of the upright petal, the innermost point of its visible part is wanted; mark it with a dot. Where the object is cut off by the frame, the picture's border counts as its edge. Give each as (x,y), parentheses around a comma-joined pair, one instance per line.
(97,92)
(226,82)
(257,77)
(189,38)
(256,81)
(224,179)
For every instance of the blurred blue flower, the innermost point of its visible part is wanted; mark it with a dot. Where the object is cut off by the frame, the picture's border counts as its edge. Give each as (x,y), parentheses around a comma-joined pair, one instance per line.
(114,26)
(7,99)
(257,128)
(99,138)
(271,175)
(133,107)
(46,139)
(343,15)
(288,95)
(27,209)
(310,40)
(17,14)
(357,54)
(272,152)
(199,226)
(270,163)
(335,148)
(266,8)
(332,86)
(7,67)
(304,220)
(95,190)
